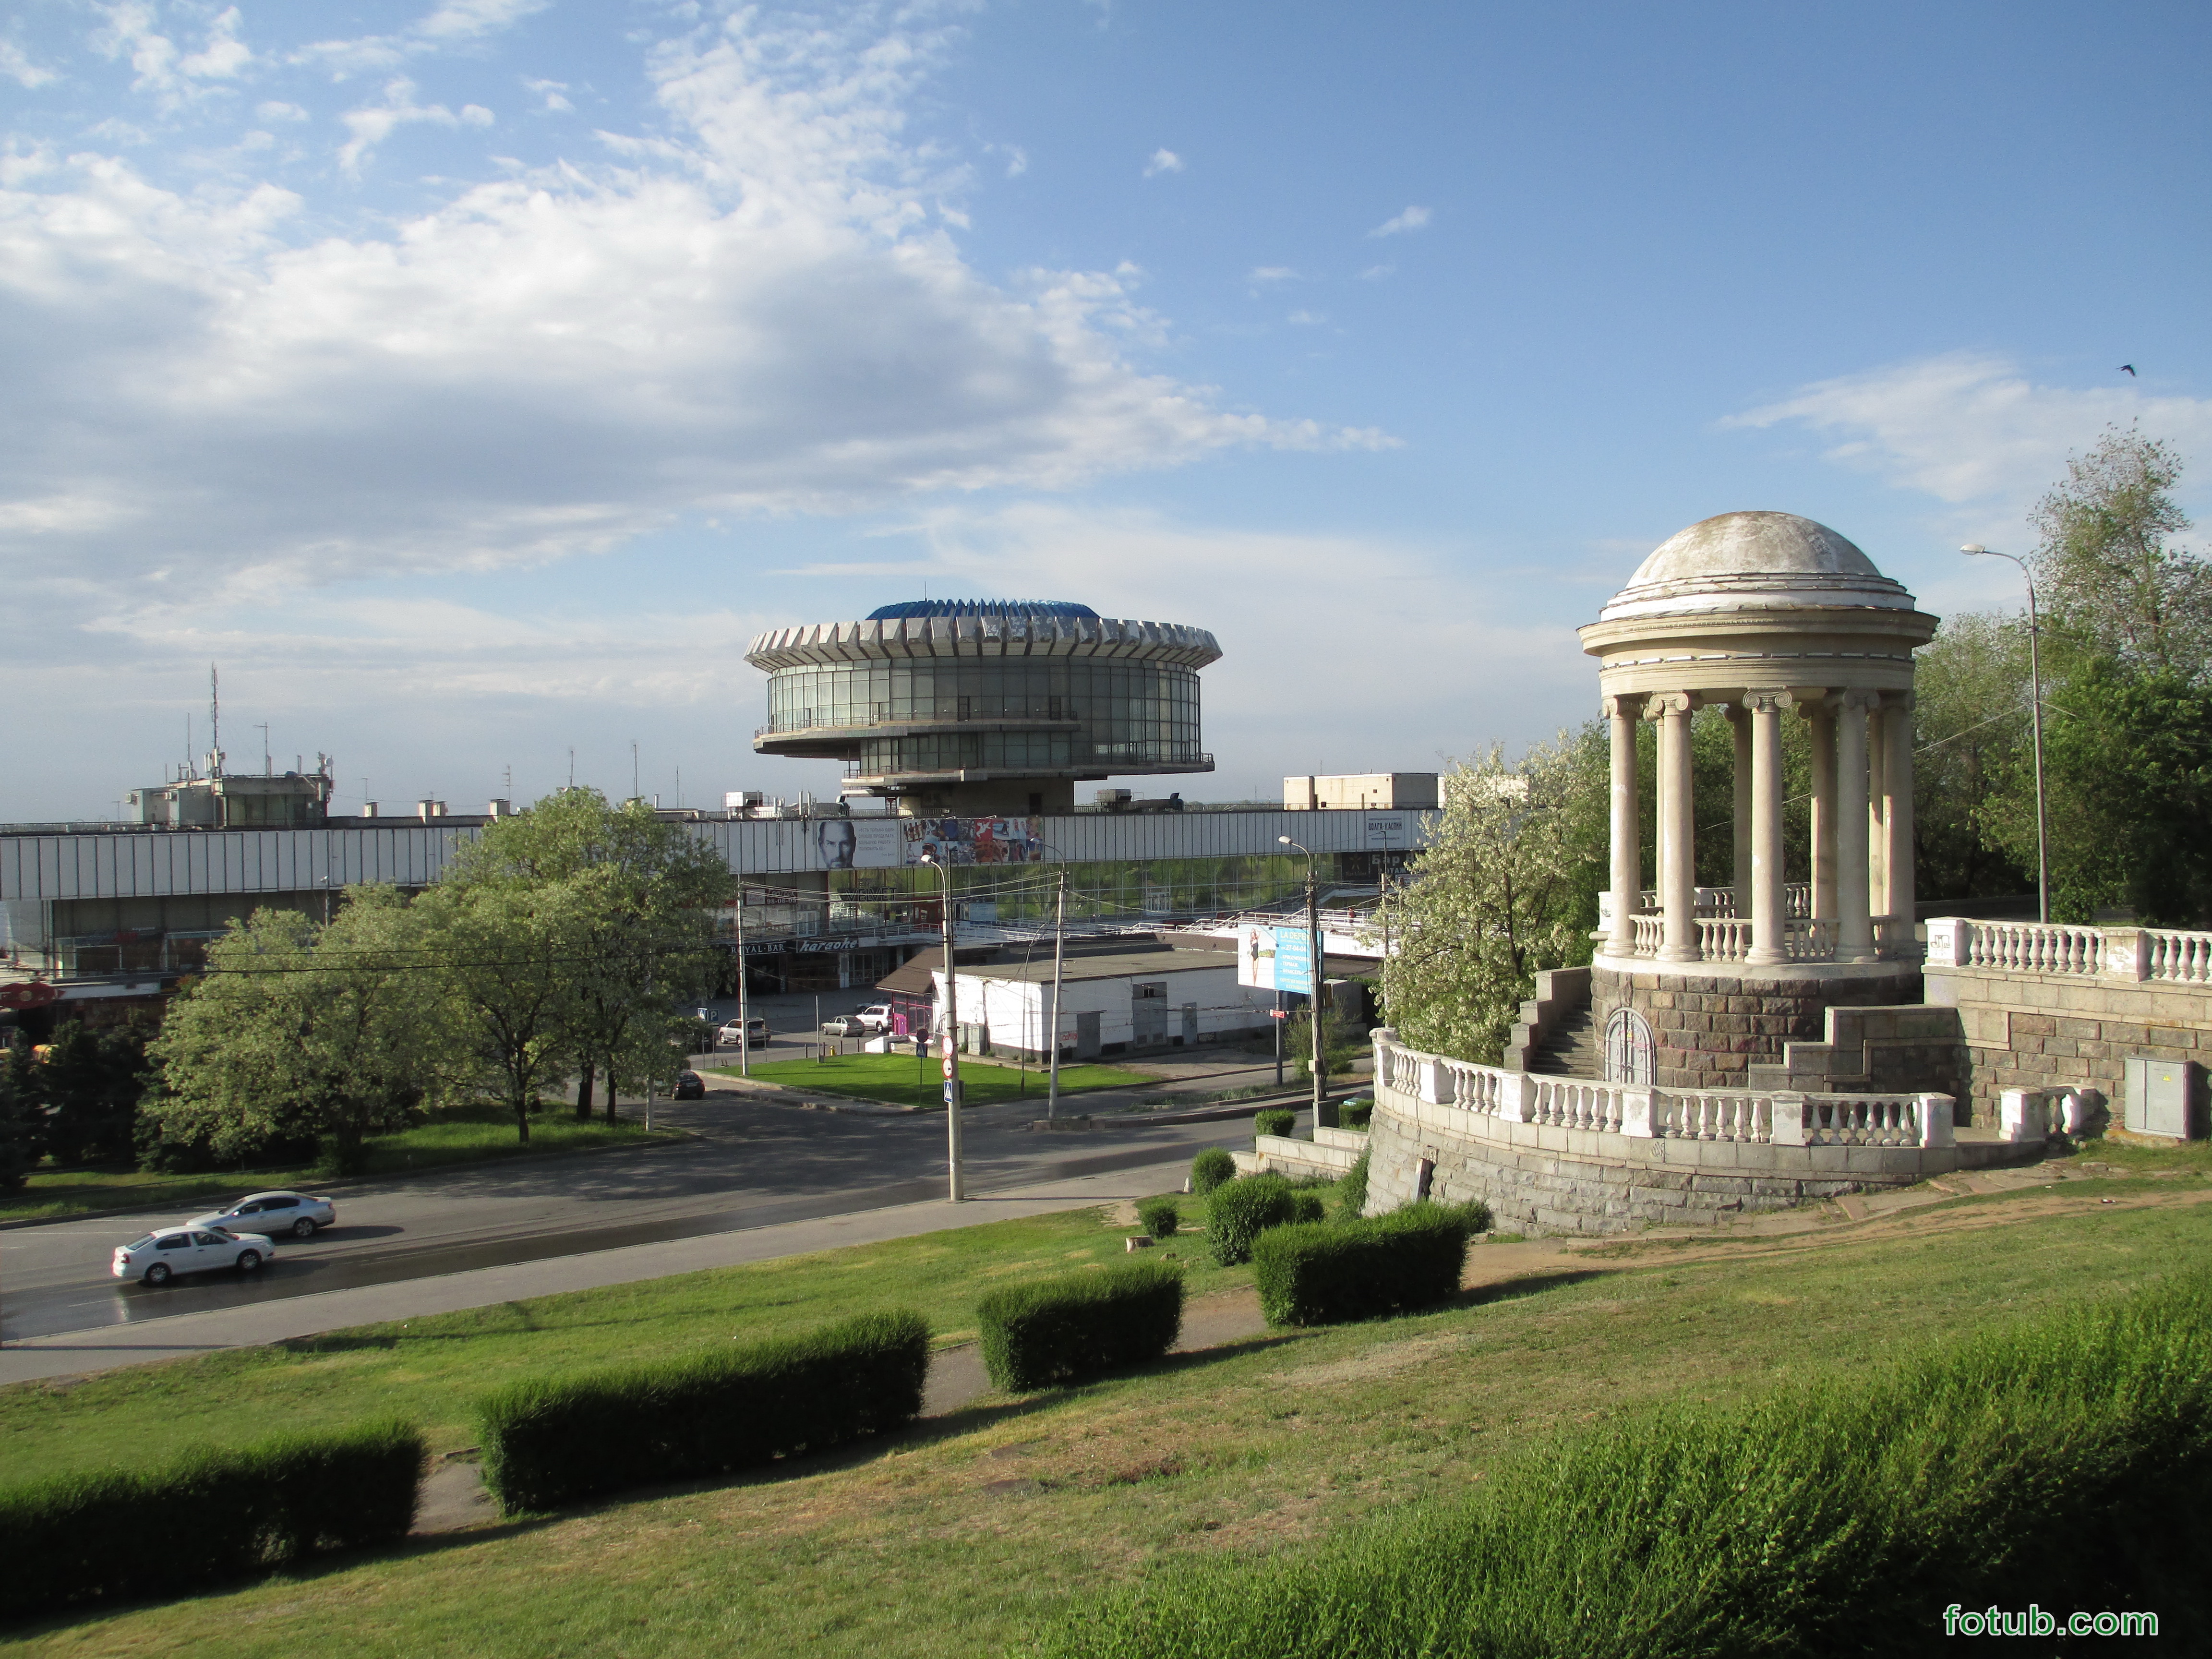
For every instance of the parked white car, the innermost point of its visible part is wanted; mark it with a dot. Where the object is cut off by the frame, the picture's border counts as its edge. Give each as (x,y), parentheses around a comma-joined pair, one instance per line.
(877,1016)
(273,1214)
(161,1256)
(728,1037)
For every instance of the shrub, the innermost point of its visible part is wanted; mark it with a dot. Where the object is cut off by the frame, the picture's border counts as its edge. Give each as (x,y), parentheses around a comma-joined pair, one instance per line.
(1061,1330)
(206,1517)
(553,1441)
(1838,1517)
(1238,1212)
(1308,1208)
(1159,1216)
(1354,1114)
(1325,1275)
(1275,1120)
(1210,1169)
(1352,1190)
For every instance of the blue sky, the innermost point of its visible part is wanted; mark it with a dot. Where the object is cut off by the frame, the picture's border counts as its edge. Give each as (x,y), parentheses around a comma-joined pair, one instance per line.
(473,380)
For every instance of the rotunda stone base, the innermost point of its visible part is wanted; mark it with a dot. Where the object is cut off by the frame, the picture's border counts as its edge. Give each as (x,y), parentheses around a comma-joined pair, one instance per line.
(1708,1027)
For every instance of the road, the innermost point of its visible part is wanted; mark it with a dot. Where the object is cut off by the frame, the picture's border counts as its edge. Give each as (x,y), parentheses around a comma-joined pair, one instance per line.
(751,1163)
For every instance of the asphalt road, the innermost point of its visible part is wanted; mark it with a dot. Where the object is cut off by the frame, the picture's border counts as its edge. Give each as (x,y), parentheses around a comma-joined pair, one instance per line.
(754,1163)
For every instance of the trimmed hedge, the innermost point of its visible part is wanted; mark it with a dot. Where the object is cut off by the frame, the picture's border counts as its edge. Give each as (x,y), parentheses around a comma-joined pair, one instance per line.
(1275,1120)
(1062,1330)
(1351,1188)
(1210,1169)
(207,1517)
(2061,1462)
(1159,1216)
(1331,1274)
(1354,1114)
(1308,1208)
(552,1441)
(1240,1212)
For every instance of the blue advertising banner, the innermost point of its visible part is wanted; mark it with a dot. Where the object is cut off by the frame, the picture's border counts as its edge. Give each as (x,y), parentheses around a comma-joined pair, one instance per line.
(1294,960)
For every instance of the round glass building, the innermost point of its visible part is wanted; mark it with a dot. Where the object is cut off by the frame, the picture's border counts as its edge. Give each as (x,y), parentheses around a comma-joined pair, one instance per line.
(983,708)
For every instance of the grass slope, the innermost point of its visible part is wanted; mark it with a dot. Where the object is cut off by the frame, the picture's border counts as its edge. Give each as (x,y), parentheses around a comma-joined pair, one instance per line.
(902,1080)
(966,1536)
(458,1134)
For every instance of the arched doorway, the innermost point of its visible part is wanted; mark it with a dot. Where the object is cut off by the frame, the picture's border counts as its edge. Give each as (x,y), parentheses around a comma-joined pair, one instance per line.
(1628,1047)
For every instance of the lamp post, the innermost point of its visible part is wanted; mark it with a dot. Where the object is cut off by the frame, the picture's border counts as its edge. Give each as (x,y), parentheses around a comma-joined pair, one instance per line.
(953,1192)
(1059,958)
(1313,972)
(2035,713)
(744,1022)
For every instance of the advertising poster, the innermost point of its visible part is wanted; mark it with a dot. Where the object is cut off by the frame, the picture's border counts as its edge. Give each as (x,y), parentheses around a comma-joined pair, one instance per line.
(1274,959)
(974,841)
(1256,957)
(857,843)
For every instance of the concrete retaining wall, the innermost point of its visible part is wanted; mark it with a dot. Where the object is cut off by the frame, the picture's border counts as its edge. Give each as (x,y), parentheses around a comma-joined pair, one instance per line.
(1710,1030)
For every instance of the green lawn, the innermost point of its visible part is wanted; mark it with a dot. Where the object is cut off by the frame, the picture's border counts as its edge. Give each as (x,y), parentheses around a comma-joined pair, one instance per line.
(954,1540)
(460,1134)
(902,1080)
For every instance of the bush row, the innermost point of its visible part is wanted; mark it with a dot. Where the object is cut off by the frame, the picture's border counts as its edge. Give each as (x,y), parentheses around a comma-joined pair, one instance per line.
(555,1441)
(1061,1330)
(1328,1274)
(2061,1463)
(1275,1120)
(1210,1169)
(205,1518)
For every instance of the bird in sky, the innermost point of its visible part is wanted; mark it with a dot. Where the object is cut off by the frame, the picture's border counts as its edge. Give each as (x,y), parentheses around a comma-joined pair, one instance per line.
(2129,370)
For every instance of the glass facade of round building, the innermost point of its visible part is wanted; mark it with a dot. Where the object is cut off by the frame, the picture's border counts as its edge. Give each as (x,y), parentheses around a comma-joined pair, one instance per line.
(965,694)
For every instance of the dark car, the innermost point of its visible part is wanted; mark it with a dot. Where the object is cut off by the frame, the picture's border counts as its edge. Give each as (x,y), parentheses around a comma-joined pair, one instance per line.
(690,1086)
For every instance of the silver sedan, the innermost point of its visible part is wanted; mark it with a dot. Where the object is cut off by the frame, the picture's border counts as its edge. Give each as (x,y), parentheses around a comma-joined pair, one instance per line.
(276,1214)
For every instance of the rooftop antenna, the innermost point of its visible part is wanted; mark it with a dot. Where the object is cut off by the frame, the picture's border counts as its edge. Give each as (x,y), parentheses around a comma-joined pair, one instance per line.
(572,769)
(214,723)
(268,766)
(679,788)
(633,768)
(188,744)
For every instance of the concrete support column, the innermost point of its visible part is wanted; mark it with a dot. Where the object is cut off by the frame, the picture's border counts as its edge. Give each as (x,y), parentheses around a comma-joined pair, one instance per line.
(1621,715)
(1854,930)
(1740,722)
(1897,807)
(1768,915)
(1820,720)
(1877,754)
(1678,840)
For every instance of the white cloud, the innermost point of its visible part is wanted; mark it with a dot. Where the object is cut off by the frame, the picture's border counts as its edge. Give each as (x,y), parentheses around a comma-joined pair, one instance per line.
(456,23)
(17,65)
(1017,160)
(1307,318)
(1273,273)
(552,92)
(171,76)
(754,313)
(1164,160)
(1970,426)
(1414,218)
(277,110)
(1376,273)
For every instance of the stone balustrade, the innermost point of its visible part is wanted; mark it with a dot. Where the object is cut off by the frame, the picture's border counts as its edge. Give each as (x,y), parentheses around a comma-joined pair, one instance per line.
(1722,936)
(2065,950)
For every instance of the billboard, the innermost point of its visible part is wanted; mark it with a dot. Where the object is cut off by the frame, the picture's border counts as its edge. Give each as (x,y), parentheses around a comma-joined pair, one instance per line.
(974,841)
(1274,958)
(858,844)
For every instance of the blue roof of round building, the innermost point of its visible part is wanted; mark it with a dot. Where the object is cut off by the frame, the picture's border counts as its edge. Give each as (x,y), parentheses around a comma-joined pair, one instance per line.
(912,608)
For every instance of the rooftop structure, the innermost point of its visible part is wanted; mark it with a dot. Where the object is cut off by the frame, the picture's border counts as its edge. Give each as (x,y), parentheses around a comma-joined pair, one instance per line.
(985,707)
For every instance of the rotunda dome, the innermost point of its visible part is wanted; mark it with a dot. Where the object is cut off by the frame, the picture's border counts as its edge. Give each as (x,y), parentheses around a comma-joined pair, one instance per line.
(1757,561)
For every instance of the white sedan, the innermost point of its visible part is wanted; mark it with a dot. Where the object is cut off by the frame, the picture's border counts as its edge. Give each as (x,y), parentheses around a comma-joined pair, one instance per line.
(272,1213)
(161,1256)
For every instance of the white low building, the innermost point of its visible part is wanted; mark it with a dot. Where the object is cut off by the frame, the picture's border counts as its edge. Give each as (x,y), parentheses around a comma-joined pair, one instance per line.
(1140,1000)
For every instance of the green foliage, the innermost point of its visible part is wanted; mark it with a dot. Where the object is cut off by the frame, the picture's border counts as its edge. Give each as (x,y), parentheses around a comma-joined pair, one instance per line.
(22,1125)
(1063,1330)
(1327,1275)
(1838,1518)
(1971,731)
(1342,1043)
(1276,1121)
(1354,1114)
(88,1084)
(1352,1190)
(208,1518)
(560,1440)
(1505,890)
(1238,1211)
(1210,1169)
(298,1032)
(2111,585)
(1306,1206)
(1159,1216)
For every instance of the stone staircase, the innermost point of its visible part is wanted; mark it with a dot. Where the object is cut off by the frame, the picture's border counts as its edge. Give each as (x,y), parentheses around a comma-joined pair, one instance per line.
(1570,1049)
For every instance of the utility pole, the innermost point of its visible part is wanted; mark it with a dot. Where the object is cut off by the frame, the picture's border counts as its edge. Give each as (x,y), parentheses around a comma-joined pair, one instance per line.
(1059,958)
(952,1044)
(1313,975)
(745,1024)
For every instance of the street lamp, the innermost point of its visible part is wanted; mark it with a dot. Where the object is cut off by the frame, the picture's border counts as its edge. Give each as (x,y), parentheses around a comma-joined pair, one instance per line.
(952,1036)
(1313,972)
(2035,713)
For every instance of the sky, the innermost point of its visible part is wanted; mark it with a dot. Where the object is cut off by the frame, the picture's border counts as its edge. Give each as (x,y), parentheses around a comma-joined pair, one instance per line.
(472,379)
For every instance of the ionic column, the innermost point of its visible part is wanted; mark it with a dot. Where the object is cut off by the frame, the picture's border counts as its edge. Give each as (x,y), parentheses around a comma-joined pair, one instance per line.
(1621,714)
(1820,720)
(1877,753)
(1897,806)
(1677,840)
(1767,910)
(1854,928)
(1739,720)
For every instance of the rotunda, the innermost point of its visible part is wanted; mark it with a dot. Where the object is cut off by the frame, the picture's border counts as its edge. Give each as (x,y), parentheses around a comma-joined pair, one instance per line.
(1764,614)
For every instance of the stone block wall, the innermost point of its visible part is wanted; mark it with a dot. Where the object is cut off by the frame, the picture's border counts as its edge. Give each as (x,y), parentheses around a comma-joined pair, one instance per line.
(1710,1030)
(2046,1031)
(1914,1048)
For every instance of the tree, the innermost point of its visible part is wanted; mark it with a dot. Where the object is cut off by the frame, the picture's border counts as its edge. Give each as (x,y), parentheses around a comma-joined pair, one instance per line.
(503,954)
(1508,887)
(1972,730)
(640,891)
(89,1083)
(2112,586)
(22,1132)
(301,1032)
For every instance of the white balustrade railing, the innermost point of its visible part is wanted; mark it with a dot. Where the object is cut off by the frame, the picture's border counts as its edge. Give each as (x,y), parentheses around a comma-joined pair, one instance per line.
(2036,947)
(1696,1114)
(1864,1120)
(1722,938)
(1568,1102)
(1474,1088)
(1804,939)
(1651,934)
(2185,959)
